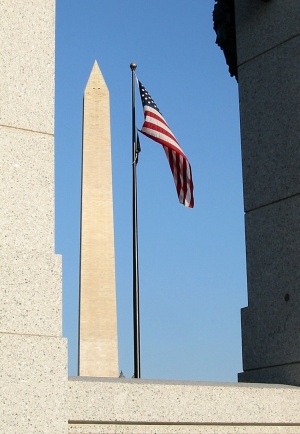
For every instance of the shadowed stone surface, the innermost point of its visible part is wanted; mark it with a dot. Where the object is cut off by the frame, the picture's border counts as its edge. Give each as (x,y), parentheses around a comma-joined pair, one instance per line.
(262,25)
(268,40)
(269,91)
(288,373)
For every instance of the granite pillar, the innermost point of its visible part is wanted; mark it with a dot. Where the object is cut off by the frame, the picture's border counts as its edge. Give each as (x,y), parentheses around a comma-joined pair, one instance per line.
(33,356)
(268,48)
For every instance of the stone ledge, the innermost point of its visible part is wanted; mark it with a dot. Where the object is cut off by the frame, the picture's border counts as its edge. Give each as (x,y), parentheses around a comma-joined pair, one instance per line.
(179,429)
(143,402)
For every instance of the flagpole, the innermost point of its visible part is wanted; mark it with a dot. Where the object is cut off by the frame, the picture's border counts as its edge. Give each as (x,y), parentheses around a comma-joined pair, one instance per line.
(136,307)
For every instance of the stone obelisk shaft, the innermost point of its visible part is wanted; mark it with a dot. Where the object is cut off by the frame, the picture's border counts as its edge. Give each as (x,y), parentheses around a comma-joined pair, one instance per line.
(98,344)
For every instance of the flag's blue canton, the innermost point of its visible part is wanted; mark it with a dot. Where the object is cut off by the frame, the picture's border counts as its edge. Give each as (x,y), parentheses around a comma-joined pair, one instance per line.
(146,98)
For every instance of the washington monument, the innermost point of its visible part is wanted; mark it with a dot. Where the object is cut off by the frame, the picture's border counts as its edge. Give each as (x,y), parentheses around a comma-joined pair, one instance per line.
(98,342)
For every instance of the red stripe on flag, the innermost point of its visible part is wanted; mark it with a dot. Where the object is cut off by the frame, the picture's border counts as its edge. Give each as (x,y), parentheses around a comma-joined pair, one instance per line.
(179,164)
(163,142)
(180,169)
(157,128)
(156,116)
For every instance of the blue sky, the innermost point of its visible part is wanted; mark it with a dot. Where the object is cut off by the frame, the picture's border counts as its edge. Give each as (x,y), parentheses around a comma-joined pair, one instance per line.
(192,261)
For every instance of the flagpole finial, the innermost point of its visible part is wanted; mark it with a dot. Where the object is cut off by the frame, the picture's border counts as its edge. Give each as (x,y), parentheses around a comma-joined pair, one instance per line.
(133,66)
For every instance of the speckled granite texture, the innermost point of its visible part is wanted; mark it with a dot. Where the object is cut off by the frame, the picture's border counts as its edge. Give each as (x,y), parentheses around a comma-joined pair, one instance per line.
(270,326)
(33,356)
(27,64)
(141,406)
(33,390)
(30,273)
(181,429)
(268,44)
(30,289)
(27,190)
(263,25)
(270,124)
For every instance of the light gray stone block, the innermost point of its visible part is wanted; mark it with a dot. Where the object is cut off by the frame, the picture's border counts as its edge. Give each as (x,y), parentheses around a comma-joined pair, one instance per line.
(33,381)
(33,356)
(26,191)
(269,94)
(271,323)
(30,293)
(263,25)
(27,64)
(163,403)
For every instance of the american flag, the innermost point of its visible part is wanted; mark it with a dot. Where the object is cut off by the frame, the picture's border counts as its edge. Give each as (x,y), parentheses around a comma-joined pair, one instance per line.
(157,129)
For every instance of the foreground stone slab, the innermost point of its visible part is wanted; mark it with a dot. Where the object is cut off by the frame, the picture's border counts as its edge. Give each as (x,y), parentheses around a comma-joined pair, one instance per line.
(147,406)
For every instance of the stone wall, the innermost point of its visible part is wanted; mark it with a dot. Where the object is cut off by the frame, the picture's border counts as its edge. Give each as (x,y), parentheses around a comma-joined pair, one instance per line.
(104,406)
(33,356)
(268,52)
